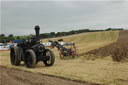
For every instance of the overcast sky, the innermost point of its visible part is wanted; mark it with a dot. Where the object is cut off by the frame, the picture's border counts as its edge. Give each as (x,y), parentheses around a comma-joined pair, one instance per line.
(20,17)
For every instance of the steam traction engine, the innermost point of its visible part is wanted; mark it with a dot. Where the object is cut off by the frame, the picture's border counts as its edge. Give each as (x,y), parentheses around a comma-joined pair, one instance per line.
(31,52)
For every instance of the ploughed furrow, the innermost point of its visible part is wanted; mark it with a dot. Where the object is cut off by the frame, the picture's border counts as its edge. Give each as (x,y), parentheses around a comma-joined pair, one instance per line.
(117,50)
(9,76)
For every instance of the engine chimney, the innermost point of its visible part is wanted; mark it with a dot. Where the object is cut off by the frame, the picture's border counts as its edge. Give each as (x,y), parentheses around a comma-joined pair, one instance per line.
(37,29)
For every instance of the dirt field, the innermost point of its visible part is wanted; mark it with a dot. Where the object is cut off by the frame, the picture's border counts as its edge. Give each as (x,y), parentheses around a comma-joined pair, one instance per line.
(118,50)
(99,71)
(88,41)
(11,76)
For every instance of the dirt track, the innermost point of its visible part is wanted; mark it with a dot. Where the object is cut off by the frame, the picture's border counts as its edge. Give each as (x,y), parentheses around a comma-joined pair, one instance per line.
(9,76)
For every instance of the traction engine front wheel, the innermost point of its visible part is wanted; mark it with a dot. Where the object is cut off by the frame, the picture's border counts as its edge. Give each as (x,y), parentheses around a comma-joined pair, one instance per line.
(30,58)
(51,58)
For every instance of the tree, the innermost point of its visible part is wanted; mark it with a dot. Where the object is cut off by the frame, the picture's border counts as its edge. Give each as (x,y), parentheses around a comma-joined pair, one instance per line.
(53,34)
(10,37)
(18,37)
(58,34)
(108,29)
(2,35)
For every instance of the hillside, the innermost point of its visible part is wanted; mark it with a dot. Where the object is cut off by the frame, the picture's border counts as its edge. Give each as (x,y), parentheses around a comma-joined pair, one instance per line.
(102,71)
(89,41)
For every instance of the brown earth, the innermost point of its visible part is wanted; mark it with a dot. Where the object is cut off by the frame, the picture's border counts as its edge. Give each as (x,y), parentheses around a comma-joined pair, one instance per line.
(104,71)
(117,50)
(11,76)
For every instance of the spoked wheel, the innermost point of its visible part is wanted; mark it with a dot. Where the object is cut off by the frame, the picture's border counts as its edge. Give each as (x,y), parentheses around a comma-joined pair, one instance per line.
(50,58)
(61,54)
(15,57)
(30,58)
(74,52)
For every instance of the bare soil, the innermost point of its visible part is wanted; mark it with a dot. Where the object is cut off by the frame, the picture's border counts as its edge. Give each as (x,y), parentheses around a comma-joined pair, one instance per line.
(11,76)
(118,50)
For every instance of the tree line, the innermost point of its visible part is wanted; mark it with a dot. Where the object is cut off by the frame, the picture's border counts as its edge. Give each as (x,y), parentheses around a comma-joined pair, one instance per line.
(59,34)
(4,39)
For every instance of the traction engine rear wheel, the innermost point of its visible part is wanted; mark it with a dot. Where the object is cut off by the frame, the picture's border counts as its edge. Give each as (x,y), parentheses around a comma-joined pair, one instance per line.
(15,57)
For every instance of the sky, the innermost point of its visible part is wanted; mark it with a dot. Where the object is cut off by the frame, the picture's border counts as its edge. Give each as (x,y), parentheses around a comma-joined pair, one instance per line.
(19,17)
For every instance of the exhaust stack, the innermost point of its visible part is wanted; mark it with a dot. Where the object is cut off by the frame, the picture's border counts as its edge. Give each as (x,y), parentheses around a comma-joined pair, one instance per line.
(37,30)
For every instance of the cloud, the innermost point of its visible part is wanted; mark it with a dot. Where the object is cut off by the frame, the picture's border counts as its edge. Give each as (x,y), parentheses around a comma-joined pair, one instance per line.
(63,0)
(20,17)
